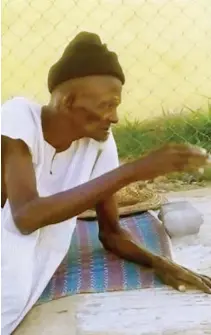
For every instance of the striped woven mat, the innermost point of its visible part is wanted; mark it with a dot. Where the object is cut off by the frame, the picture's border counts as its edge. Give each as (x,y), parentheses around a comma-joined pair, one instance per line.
(88,268)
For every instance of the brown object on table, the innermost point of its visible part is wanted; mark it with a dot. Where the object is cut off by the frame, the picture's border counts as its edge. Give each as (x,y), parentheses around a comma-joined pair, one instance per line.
(132,199)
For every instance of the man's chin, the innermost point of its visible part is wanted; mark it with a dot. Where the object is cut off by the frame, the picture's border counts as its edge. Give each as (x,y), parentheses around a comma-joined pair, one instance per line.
(101,137)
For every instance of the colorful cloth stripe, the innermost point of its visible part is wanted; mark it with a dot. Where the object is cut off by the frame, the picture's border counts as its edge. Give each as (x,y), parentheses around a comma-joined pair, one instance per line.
(88,268)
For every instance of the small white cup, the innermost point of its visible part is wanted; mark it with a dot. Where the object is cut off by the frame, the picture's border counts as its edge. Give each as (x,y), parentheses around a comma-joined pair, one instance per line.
(180,219)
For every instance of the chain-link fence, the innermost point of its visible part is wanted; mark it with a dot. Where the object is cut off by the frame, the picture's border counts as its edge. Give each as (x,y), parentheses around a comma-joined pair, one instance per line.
(164,47)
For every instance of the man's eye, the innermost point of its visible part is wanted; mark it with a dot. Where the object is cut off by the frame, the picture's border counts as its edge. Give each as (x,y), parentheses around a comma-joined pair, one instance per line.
(113,105)
(108,105)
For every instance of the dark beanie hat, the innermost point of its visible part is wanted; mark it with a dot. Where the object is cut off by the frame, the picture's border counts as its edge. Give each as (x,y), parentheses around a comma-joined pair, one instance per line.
(84,56)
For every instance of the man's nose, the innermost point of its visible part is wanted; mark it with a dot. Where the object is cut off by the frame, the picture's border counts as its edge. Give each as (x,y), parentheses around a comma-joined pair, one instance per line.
(113,117)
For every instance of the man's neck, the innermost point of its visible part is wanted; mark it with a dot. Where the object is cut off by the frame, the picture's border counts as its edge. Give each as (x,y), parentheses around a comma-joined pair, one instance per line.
(52,131)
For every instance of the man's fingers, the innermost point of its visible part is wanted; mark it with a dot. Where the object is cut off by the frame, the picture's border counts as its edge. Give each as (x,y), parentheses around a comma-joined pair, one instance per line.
(171,281)
(194,154)
(196,280)
(169,277)
(194,159)
(203,286)
(187,148)
(189,280)
(188,159)
(176,275)
(206,279)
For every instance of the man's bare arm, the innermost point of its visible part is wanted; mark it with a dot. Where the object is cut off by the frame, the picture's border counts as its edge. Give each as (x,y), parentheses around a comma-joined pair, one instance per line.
(118,240)
(121,243)
(31,212)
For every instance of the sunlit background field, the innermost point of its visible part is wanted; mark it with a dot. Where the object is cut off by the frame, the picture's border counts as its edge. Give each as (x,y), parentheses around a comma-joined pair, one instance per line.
(164,47)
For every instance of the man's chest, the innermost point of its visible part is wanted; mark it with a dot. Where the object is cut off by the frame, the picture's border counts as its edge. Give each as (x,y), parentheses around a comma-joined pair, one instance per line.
(61,171)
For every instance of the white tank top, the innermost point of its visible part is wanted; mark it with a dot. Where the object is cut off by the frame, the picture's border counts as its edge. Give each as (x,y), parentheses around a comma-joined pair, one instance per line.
(28,262)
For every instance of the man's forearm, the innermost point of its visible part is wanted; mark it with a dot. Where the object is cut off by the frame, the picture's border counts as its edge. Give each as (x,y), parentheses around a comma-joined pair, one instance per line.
(118,240)
(45,211)
(123,245)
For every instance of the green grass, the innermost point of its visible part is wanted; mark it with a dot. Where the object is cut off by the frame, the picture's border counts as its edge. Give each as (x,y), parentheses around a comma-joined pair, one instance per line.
(136,138)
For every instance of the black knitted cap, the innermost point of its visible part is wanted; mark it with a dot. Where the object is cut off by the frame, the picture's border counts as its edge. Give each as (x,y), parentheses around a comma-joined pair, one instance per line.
(84,56)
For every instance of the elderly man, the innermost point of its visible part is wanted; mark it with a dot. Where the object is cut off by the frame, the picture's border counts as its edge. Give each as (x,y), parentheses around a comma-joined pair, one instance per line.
(59,160)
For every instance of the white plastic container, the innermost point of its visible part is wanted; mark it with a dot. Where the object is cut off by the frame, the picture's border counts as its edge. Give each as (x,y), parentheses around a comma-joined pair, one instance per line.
(180,219)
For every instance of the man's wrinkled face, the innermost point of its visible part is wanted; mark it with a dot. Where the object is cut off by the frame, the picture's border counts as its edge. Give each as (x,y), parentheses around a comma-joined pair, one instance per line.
(94,108)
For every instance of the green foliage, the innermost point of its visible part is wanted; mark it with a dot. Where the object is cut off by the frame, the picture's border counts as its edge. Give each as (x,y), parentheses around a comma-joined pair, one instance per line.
(138,137)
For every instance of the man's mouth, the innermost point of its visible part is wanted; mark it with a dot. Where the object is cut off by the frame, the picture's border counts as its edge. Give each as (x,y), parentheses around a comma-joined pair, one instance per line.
(106,128)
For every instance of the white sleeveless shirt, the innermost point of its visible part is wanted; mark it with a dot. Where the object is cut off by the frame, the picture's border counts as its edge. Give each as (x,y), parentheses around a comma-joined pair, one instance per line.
(29,261)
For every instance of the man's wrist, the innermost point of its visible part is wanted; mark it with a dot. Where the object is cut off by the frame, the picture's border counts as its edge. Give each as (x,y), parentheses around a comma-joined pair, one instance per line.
(139,171)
